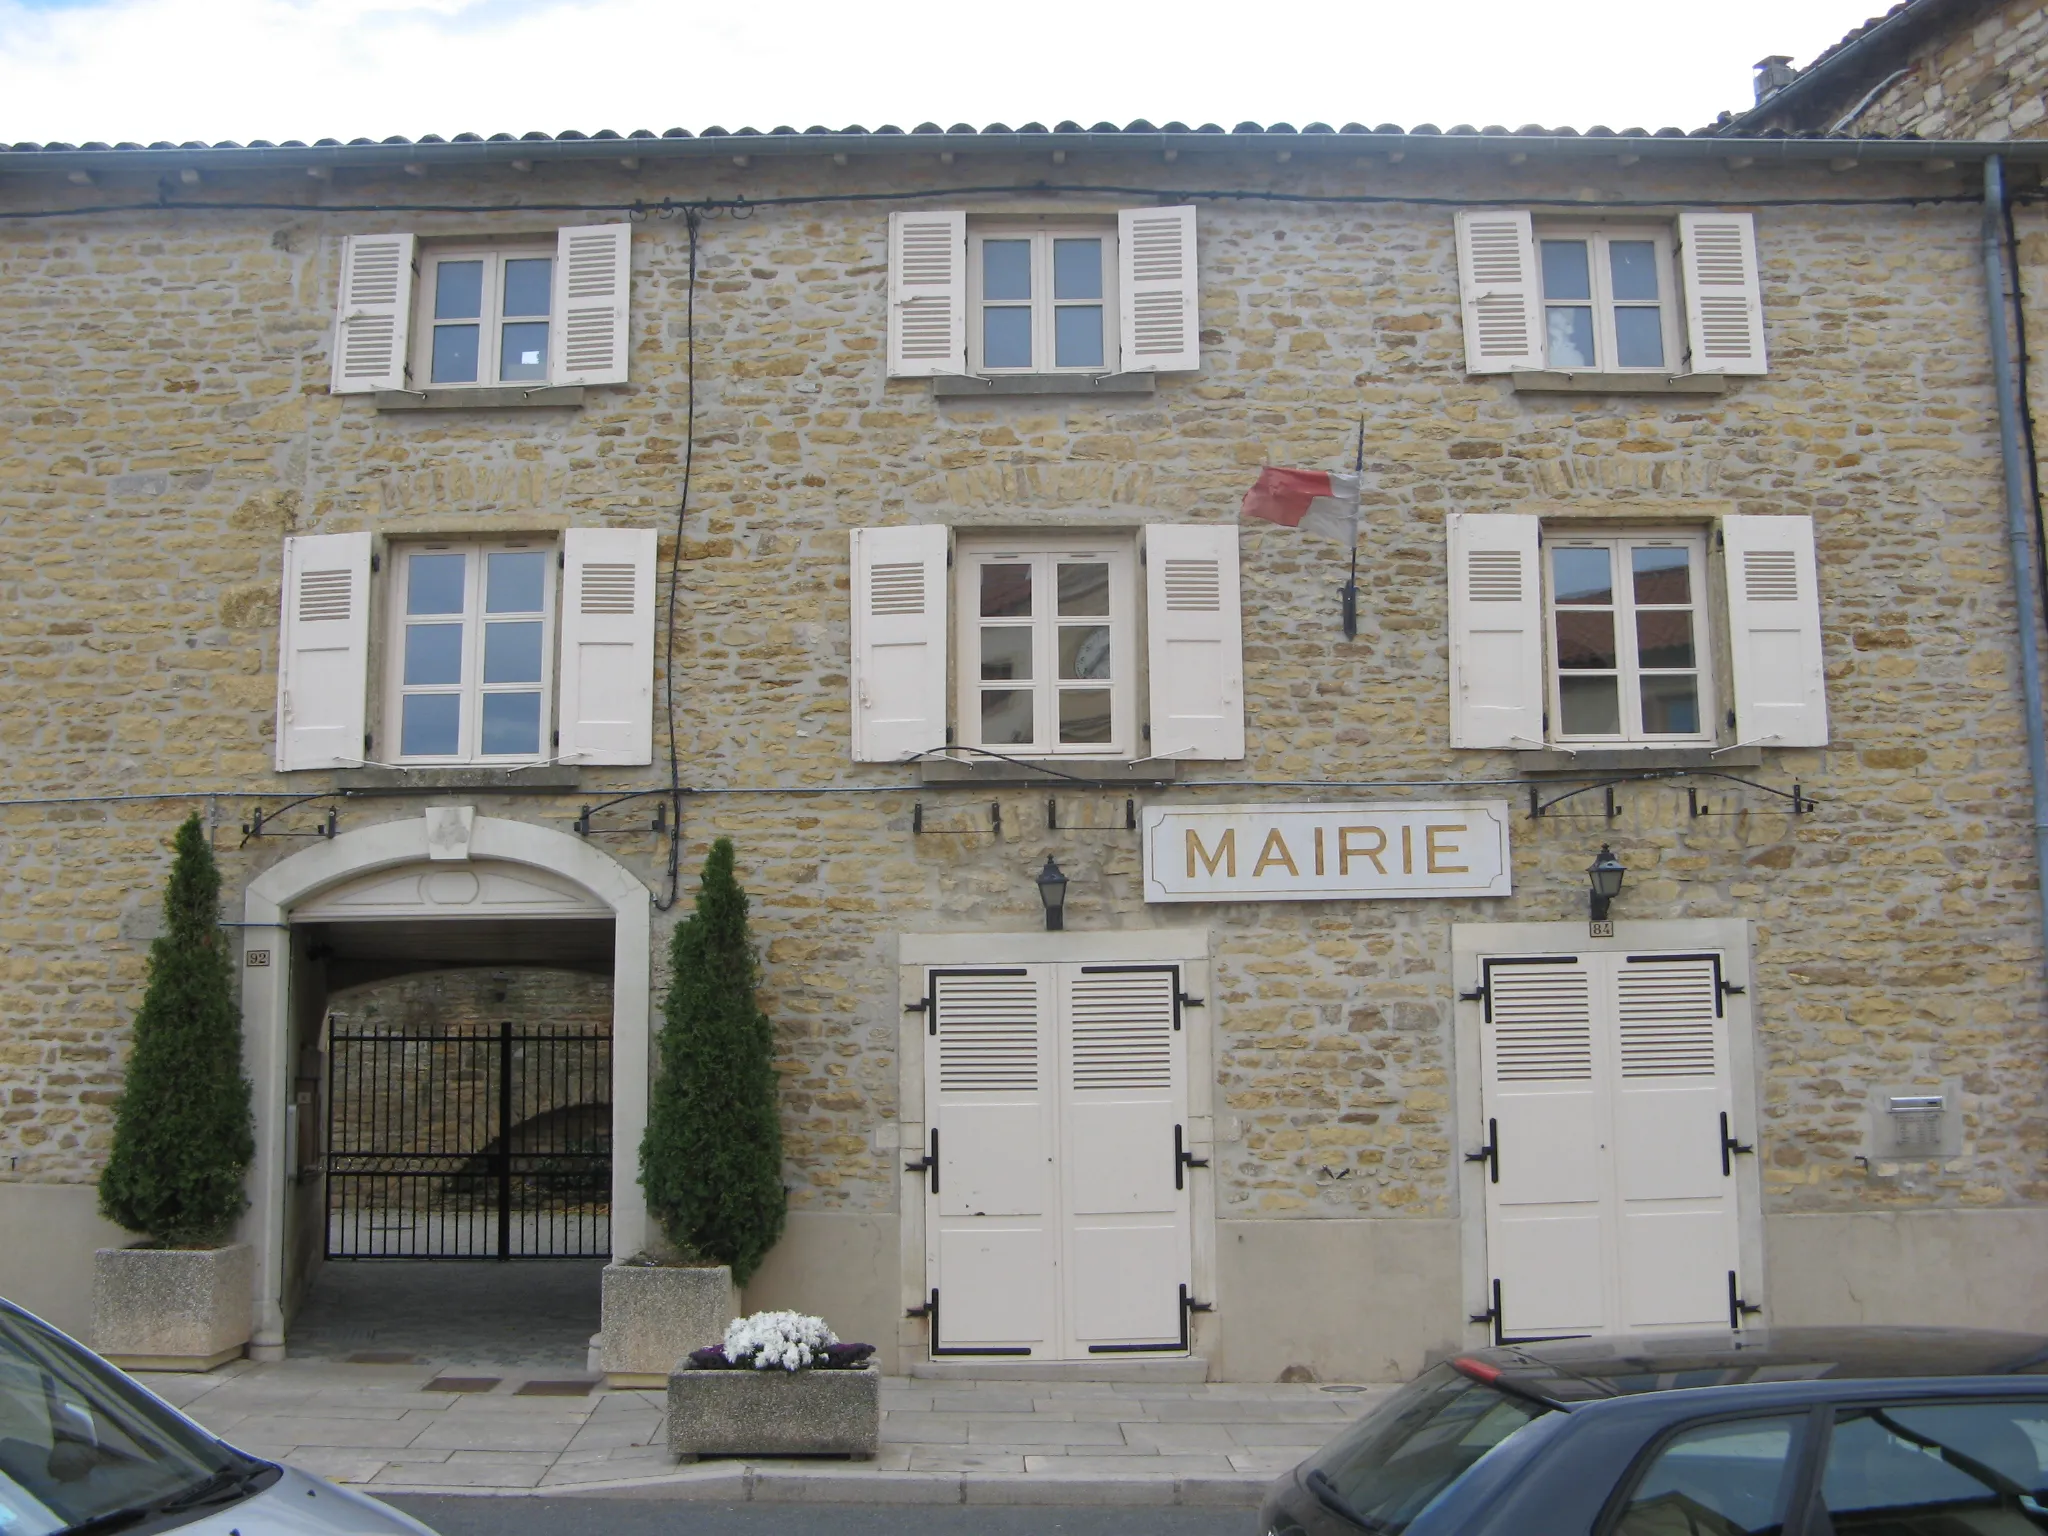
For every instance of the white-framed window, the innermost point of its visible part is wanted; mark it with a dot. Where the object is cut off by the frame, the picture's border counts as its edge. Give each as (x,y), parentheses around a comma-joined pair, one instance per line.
(485,316)
(471,652)
(1046,654)
(1627,639)
(1041,297)
(1608,297)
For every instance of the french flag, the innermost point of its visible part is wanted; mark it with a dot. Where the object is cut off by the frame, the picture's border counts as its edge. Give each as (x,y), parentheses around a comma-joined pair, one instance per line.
(1312,500)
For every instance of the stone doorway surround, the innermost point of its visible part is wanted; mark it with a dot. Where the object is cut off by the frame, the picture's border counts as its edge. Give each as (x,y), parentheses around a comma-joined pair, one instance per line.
(438,866)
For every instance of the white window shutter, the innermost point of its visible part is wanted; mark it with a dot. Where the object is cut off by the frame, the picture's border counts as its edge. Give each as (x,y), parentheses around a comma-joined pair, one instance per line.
(607,671)
(1496,630)
(1159,297)
(373,316)
(1500,290)
(593,280)
(927,294)
(899,642)
(1724,301)
(1194,641)
(1774,631)
(323,652)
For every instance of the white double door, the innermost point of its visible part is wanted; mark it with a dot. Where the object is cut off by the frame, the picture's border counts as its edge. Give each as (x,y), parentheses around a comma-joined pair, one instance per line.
(1610,1165)
(1057,1188)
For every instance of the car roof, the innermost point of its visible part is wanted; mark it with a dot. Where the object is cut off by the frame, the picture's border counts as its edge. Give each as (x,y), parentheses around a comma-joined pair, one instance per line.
(1586,1369)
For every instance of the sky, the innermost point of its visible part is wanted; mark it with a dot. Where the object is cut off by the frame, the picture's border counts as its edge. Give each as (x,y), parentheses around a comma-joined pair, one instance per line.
(82,70)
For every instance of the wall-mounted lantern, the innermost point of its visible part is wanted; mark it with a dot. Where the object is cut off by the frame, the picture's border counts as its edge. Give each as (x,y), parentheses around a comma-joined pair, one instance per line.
(1052,890)
(1604,875)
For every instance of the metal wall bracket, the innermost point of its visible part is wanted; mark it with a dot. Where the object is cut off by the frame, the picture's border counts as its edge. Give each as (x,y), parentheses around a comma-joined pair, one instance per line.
(917,826)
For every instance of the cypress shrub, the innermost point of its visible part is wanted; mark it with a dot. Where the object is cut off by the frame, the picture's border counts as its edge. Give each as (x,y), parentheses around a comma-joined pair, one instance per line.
(711,1161)
(182,1134)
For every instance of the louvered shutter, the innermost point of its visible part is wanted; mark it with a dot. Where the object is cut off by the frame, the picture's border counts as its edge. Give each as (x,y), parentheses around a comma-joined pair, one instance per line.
(1499,290)
(373,317)
(1547,1189)
(1774,631)
(1159,303)
(607,672)
(1724,303)
(899,642)
(1194,641)
(1123,1096)
(1676,1230)
(593,283)
(927,294)
(1496,629)
(323,652)
(989,1231)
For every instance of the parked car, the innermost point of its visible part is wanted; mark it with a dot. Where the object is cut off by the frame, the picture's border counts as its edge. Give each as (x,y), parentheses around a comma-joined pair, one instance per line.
(1790,1432)
(85,1449)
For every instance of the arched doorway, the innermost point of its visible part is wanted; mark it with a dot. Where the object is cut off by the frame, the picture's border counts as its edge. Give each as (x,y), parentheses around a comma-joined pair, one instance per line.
(411,896)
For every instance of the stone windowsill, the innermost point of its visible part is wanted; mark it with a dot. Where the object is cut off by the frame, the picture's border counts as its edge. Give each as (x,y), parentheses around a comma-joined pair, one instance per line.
(954,386)
(1097,770)
(1549,381)
(478,399)
(431,780)
(1636,759)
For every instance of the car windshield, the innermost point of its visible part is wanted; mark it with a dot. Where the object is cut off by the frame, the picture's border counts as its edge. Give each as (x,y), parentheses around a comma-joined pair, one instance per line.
(79,1441)
(1395,1462)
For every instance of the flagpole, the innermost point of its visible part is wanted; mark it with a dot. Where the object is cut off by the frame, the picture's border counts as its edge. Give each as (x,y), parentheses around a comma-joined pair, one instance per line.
(1351,587)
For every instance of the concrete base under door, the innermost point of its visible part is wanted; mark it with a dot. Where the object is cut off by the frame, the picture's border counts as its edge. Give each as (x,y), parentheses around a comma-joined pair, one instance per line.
(1174,1370)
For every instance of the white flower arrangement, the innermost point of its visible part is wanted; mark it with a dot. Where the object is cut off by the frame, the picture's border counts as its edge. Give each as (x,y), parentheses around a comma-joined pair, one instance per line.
(767,1340)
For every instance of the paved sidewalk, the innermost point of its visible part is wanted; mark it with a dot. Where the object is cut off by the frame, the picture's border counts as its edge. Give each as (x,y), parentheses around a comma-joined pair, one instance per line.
(423,1428)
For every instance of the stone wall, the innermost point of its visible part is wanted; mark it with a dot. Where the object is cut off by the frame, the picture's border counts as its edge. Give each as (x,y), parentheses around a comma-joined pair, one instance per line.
(1988,80)
(167,422)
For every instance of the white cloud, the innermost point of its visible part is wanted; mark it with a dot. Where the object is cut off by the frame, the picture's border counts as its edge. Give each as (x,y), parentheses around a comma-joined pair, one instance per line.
(276,69)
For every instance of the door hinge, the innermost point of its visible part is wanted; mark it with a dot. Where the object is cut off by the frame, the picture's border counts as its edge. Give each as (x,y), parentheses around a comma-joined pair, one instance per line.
(1730,1147)
(554,738)
(366,744)
(1183,1160)
(1730,989)
(922,1309)
(1490,1153)
(922,1005)
(1476,995)
(1738,1309)
(1491,1316)
(1190,1002)
(561,559)
(376,563)
(929,1163)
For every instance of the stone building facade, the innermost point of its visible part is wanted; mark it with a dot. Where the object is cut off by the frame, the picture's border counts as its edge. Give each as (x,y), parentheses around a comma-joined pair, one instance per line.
(1843,898)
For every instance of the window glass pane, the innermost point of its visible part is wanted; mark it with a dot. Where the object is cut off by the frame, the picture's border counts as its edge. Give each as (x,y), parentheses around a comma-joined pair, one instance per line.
(1006,654)
(1661,575)
(511,724)
(1084,716)
(1585,640)
(528,281)
(523,352)
(1006,336)
(1590,706)
(458,290)
(433,583)
(1077,269)
(433,654)
(1734,1479)
(1581,575)
(512,652)
(429,725)
(454,355)
(1671,704)
(1077,336)
(1006,591)
(1639,336)
(1632,265)
(1084,652)
(1887,1472)
(1006,717)
(1084,590)
(515,582)
(1006,269)
(1664,638)
(1570,337)
(1567,273)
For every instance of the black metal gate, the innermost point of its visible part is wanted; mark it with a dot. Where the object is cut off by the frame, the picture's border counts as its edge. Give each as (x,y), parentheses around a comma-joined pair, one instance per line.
(473,1144)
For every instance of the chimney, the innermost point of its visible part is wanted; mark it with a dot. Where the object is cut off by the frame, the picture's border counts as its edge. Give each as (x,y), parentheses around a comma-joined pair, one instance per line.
(1773,75)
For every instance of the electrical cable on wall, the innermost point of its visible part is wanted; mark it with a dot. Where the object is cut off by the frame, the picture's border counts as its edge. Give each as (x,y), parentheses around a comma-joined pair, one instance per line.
(2024,364)
(693,219)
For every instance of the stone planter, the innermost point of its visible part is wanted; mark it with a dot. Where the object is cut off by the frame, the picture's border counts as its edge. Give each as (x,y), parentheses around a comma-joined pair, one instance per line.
(655,1314)
(173,1309)
(774,1413)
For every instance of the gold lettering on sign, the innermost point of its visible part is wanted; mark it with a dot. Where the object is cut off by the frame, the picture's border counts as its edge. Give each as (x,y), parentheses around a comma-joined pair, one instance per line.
(1346,853)
(1225,854)
(1319,850)
(1430,850)
(1407,850)
(1275,852)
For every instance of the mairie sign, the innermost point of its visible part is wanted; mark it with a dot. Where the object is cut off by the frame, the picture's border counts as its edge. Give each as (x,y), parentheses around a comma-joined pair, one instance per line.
(1326,852)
